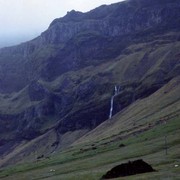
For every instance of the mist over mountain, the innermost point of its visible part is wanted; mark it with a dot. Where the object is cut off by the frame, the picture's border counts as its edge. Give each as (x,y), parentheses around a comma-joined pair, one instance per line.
(25,20)
(58,87)
(11,40)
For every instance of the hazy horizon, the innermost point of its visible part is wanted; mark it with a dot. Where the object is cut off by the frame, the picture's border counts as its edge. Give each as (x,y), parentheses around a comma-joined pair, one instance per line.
(23,20)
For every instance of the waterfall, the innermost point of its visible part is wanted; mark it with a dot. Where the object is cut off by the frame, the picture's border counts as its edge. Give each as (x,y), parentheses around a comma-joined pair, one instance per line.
(116,92)
(111,108)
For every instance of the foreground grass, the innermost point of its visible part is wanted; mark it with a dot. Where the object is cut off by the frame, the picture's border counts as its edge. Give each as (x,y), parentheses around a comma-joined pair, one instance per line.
(92,161)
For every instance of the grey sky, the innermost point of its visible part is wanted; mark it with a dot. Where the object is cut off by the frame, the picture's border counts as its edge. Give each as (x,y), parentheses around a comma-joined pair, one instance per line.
(21,20)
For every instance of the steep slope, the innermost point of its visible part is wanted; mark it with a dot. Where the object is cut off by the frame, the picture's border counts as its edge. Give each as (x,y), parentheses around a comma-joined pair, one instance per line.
(139,131)
(62,81)
(159,108)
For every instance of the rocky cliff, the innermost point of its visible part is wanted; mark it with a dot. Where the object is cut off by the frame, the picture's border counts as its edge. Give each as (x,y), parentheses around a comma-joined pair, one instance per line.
(63,80)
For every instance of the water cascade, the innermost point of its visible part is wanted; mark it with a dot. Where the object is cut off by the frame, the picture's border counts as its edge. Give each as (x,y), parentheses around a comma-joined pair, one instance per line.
(116,92)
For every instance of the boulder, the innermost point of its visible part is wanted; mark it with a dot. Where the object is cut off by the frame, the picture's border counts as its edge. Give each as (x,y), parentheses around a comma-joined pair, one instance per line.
(129,168)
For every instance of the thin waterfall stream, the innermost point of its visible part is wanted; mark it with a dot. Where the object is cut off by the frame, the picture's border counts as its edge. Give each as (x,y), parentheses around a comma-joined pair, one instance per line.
(116,92)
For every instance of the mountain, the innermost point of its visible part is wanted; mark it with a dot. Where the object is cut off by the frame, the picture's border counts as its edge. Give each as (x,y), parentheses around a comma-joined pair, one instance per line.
(57,87)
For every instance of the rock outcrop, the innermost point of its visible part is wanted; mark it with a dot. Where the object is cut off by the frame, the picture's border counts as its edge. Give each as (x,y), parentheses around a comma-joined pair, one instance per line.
(127,169)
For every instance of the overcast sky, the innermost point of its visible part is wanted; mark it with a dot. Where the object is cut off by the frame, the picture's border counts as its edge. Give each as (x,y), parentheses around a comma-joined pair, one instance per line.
(21,20)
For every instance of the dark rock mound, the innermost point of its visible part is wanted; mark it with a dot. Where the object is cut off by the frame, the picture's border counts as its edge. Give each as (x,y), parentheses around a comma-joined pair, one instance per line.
(121,145)
(40,157)
(127,169)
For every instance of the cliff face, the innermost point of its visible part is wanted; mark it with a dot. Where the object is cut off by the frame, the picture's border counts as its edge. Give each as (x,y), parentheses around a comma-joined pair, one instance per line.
(64,79)
(115,20)
(80,38)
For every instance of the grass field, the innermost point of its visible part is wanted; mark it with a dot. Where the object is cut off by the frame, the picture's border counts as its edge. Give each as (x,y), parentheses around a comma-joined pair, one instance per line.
(86,162)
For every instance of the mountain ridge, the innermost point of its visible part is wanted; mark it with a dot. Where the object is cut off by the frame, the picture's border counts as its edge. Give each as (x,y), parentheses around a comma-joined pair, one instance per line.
(63,80)
(59,33)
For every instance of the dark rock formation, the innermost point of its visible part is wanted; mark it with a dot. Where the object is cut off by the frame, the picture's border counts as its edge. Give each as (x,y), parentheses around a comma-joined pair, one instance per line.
(127,169)
(36,91)
(122,145)
(81,39)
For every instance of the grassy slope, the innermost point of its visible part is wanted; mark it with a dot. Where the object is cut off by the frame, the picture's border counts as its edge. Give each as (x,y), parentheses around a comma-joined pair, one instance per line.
(164,104)
(15,102)
(144,139)
(125,68)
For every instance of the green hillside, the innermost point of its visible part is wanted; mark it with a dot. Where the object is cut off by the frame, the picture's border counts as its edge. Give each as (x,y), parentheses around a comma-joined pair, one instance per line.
(141,128)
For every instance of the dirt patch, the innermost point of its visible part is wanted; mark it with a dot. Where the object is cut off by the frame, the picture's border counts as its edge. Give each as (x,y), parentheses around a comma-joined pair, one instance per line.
(127,169)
